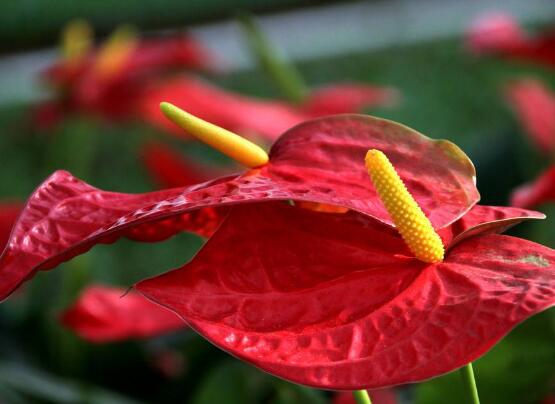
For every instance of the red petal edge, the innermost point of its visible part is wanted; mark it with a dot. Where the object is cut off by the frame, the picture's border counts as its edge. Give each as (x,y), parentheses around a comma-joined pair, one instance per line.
(108,314)
(481,220)
(332,301)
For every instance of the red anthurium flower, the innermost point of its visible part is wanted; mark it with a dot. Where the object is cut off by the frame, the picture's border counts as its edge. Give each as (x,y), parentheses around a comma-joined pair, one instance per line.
(337,301)
(146,57)
(318,161)
(347,97)
(534,105)
(107,314)
(304,296)
(539,191)
(501,34)
(108,82)
(171,169)
(255,117)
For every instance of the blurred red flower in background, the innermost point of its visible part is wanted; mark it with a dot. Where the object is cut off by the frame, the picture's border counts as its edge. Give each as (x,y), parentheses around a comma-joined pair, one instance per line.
(107,82)
(108,314)
(534,105)
(536,192)
(500,34)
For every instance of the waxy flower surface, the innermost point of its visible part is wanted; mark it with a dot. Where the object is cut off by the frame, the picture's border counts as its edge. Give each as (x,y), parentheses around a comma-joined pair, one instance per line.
(333,300)
(108,314)
(318,161)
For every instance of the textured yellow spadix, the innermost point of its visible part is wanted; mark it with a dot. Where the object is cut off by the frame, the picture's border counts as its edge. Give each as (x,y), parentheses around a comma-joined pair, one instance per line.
(77,39)
(414,226)
(229,143)
(116,50)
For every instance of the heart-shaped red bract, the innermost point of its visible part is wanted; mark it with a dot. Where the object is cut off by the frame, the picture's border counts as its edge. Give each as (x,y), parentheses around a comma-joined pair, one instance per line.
(336,301)
(108,314)
(319,161)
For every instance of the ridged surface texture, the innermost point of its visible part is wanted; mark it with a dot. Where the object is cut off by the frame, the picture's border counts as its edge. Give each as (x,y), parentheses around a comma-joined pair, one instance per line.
(320,162)
(336,301)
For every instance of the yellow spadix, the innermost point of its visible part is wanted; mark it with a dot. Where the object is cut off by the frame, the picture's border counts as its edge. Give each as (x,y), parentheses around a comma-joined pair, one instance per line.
(229,143)
(415,228)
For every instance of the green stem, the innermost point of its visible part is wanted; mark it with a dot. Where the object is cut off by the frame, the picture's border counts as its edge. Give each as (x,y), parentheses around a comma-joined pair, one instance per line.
(467,374)
(284,75)
(362,397)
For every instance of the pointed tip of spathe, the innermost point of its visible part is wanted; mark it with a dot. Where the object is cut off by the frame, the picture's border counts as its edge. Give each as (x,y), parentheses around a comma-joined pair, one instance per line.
(238,148)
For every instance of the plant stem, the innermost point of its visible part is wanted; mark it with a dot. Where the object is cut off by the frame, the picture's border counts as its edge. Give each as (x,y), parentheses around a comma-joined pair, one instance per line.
(467,374)
(362,397)
(284,75)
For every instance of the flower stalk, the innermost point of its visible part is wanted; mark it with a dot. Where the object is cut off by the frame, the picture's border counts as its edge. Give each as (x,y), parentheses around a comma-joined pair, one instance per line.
(284,75)
(362,397)
(469,381)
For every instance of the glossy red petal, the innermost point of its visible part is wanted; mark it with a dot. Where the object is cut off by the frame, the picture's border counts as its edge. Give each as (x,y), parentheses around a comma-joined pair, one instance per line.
(537,192)
(245,115)
(65,217)
(534,105)
(9,211)
(483,219)
(320,161)
(332,301)
(171,169)
(347,97)
(107,314)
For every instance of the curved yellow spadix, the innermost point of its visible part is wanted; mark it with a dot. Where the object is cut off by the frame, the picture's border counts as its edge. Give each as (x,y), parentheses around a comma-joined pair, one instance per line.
(116,50)
(229,143)
(77,39)
(414,226)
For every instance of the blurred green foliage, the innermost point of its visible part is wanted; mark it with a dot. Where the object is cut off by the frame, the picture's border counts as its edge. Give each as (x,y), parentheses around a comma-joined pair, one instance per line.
(445,94)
